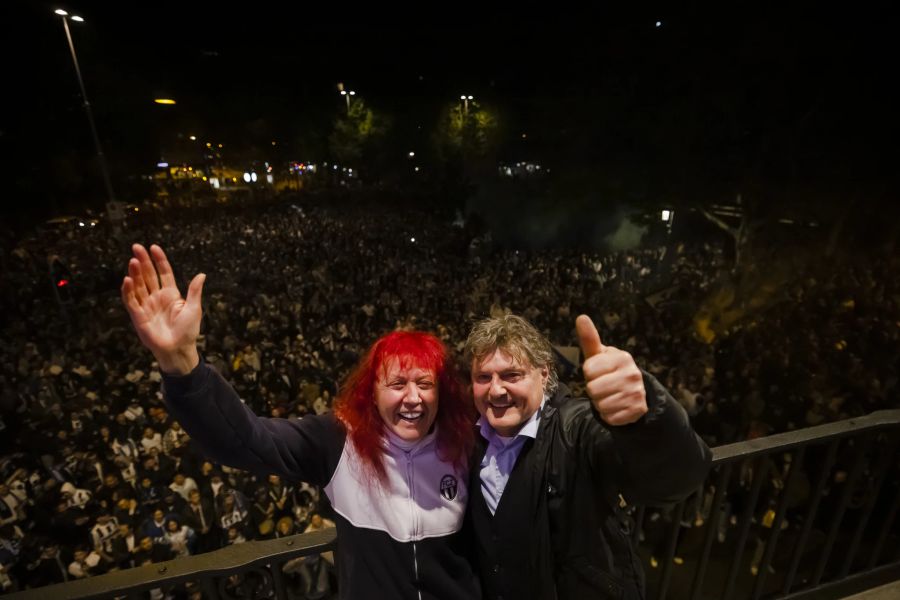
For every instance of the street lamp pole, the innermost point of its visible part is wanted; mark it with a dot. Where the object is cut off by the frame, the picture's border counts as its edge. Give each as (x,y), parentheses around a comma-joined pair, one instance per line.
(87,105)
(465,100)
(347,95)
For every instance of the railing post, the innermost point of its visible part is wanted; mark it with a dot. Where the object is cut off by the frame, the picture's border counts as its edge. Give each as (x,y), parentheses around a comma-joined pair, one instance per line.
(670,550)
(885,461)
(763,567)
(712,524)
(885,528)
(815,498)
(855,472)
(761,473)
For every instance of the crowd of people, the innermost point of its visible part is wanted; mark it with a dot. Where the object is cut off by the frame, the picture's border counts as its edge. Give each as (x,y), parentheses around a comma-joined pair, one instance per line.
(95,475)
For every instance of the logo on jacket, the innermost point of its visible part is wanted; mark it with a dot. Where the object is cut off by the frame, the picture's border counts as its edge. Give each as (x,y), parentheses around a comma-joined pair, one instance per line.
(448,487)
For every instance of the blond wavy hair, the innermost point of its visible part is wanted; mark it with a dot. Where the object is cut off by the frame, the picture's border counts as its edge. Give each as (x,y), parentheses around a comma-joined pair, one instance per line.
(516,337)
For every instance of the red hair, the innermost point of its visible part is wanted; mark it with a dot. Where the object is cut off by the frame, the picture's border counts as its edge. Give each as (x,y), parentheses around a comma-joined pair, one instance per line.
(355,403)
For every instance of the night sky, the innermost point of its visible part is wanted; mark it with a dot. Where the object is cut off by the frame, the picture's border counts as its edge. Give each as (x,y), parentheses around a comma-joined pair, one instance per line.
(792,98)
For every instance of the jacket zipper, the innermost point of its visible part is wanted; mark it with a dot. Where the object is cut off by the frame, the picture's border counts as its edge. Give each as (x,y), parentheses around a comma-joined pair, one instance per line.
(412,506)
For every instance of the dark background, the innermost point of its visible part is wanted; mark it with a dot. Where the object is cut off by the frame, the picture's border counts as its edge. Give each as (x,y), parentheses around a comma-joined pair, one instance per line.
(791,105)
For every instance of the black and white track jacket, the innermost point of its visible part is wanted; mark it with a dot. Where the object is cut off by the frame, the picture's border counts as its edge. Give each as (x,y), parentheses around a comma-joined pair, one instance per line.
(398,540)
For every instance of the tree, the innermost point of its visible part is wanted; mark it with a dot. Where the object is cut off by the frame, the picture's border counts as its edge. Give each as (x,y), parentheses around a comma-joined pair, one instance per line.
(467,139)
(357,135)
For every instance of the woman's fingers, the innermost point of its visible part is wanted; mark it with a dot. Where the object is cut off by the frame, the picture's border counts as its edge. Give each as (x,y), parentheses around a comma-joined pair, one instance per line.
(166,274)
(128,298)
(136,274)
(195,290)
(147,268)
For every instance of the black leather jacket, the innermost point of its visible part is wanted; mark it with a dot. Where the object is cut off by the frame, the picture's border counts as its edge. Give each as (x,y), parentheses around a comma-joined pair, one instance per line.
(566,535)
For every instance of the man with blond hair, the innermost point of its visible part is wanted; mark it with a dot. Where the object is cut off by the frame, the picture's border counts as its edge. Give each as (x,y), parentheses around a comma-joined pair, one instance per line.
(553,473)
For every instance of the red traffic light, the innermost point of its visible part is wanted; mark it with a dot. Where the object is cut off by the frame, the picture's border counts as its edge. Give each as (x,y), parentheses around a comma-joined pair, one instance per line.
(62,283)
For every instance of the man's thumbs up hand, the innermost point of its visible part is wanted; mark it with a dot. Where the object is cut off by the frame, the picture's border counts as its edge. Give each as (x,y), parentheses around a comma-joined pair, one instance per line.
(614,382)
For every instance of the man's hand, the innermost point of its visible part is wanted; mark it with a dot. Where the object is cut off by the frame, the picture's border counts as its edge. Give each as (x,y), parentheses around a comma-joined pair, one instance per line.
(166,323)
(614,382)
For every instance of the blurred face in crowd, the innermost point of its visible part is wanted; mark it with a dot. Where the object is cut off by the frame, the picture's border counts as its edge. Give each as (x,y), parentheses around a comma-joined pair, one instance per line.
(179,479)
(146,543)
(148,433)
(407,399)
(285,527)
(172,526)
(194,497)
(507,391)
(158,515)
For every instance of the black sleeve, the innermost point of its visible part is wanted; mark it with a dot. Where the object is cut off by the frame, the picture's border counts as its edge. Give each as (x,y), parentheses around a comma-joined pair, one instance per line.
(228,432)
(659,459)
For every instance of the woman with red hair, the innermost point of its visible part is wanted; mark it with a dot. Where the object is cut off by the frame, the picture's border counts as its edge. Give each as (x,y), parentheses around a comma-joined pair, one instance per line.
(392,458)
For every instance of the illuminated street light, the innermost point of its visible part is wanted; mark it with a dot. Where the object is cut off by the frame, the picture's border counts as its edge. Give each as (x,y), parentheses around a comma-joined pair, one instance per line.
(164,101)
(346,94)
(87,105)
(465,100)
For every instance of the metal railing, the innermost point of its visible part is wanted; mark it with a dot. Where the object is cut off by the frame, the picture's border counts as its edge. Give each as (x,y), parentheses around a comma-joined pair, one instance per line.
(801,495)
(260,569)
(852,465)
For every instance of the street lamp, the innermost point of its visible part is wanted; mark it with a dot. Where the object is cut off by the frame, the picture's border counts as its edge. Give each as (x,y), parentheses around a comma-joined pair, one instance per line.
(466,99)
(347,95)
(87,105)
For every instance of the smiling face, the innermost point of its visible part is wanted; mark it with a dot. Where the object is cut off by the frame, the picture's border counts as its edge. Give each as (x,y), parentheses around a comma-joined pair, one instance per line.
(407,399)
(507,391)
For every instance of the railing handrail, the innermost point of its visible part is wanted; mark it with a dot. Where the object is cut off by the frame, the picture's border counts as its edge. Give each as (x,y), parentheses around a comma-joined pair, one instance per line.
(818,433)
(217,562)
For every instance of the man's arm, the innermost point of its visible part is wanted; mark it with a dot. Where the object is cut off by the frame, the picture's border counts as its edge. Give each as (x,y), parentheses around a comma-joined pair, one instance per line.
(657,458)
